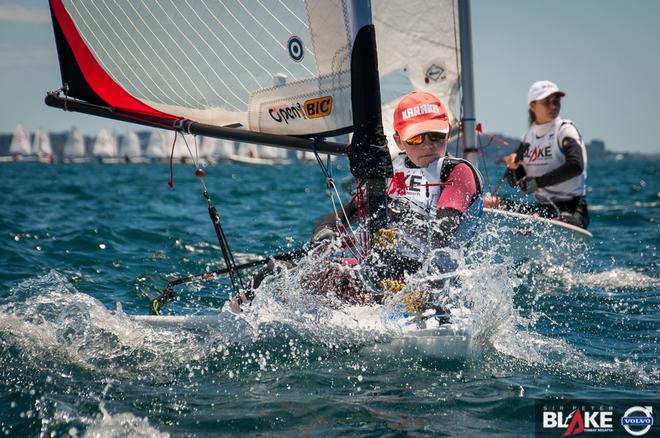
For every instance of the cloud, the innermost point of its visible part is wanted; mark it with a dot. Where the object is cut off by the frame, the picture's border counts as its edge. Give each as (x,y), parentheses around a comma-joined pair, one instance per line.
(17,13)
(11,57)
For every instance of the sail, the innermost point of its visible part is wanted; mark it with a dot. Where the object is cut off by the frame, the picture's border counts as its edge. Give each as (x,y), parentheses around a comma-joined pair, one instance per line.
(420,53)
(130,146)
(157,147)
(105,145)
(281,68)
(41,145)
(20,142)
(74,147)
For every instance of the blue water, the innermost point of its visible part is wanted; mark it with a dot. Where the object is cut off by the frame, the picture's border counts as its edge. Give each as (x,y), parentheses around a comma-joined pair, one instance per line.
(79,239)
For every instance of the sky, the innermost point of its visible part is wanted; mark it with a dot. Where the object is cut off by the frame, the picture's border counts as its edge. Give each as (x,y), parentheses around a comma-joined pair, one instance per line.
(604,54)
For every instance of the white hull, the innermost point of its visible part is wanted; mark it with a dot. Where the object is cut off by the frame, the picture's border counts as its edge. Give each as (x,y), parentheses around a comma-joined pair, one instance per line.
(524,237)
(445,341)
(256,160)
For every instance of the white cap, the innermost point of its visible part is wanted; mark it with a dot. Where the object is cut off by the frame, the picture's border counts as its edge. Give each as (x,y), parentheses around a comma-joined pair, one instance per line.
(542,89)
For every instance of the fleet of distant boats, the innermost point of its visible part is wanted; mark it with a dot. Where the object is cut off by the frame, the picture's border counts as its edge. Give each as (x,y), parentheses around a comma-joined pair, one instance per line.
(106,149)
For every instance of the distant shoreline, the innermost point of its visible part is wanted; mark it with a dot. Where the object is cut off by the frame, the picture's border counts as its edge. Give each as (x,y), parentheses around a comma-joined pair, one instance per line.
(492,151)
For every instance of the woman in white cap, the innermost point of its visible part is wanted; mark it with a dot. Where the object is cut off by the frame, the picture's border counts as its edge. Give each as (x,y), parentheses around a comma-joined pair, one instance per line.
(551,162)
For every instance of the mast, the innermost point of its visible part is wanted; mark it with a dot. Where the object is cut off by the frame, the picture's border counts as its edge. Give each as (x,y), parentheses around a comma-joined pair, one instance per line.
(368,155)
(470,151)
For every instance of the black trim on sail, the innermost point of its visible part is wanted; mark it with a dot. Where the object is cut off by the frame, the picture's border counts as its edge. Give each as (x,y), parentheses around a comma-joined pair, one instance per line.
(69,70)
(368,155)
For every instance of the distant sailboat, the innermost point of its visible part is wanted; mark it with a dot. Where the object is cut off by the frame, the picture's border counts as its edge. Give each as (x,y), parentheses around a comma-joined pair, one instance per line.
(256,154)
(129,148)
(74,148)
(185,145)
(42,148)
(105,147)
(157,149)
(20,148)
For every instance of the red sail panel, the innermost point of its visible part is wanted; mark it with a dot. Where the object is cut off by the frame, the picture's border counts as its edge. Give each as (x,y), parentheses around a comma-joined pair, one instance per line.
(97,78)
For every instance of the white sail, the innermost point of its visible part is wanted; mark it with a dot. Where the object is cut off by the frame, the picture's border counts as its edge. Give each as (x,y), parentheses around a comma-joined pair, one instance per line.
(20,142)
(74,147)
(105,145)
(129,147)
(207,147)
(272,153)
(224,149)
(157,147)
(41,145)
(419,53)
(215,62)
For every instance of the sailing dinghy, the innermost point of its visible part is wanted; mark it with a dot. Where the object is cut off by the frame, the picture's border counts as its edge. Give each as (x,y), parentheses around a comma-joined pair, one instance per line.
(432,51)
(288,75)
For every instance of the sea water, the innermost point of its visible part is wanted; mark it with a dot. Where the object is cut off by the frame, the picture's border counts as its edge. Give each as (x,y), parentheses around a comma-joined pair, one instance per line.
(86,246)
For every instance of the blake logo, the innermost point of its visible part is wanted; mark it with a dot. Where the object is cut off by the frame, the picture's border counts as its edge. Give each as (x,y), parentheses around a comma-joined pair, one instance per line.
(633,423)
(538,153)
(579,420)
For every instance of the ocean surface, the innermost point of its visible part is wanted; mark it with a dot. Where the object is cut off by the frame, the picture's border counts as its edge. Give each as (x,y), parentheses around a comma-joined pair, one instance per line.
(84,247)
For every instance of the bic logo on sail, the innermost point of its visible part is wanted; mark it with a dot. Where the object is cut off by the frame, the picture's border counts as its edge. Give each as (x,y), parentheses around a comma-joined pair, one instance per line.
(310,109)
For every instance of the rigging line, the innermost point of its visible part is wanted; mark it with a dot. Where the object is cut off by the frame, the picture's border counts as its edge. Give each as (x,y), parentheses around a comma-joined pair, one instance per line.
(483,160)
(350,227)
(229,52)
(194,28)
(250,34)
(348,244)
(331,185)
(100,45)
(339,220)
(191,63)
(166,97)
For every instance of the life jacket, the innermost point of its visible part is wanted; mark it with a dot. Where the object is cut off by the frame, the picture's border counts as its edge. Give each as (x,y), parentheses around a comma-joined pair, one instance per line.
(545,155)
(418,190)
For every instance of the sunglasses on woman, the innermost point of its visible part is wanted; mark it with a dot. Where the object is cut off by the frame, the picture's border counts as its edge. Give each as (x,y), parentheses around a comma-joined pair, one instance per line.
(432,136)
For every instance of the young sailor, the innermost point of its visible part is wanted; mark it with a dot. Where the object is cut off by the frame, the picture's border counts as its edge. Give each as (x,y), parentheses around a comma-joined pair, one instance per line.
(551,162)
(435,202)
(435,199)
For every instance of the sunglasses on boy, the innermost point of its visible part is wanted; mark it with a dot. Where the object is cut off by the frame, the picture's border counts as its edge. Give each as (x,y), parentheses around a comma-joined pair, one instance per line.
(432,136)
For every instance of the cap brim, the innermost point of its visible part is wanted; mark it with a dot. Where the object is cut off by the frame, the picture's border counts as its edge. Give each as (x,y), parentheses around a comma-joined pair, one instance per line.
(422,127)
(544,95)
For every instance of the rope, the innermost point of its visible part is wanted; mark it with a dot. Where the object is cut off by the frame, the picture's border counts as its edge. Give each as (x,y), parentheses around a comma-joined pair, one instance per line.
(335,197)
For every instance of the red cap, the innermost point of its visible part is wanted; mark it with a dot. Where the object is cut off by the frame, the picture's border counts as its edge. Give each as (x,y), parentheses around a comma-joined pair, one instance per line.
(420,112)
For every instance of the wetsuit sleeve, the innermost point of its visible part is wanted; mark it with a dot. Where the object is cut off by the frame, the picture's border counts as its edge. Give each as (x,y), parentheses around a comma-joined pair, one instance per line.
(461,191)
(574,164)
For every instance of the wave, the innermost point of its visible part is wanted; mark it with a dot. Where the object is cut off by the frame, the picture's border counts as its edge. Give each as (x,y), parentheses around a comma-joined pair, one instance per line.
(622,207)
